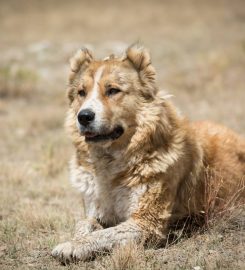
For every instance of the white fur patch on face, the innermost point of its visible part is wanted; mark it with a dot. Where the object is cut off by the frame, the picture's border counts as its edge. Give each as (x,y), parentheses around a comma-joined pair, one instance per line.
(94,103)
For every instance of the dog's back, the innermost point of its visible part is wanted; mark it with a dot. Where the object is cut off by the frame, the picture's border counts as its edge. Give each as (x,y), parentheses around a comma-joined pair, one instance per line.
(224,149)
(224,156)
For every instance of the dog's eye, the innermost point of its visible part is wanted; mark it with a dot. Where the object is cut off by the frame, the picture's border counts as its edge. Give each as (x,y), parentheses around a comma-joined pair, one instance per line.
(81,93)
(112,91)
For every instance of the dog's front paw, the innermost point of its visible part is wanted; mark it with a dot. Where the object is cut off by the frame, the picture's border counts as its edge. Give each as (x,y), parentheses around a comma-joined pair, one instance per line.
(82,253)
(63,252)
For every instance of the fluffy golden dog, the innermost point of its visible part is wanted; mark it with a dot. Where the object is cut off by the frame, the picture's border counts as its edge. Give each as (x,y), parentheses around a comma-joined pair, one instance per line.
(138,164)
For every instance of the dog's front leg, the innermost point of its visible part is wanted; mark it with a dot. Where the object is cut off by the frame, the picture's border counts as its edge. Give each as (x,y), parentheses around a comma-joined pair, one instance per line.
(141,227)
(84,227)
(138,229)
(87,246)
(104,240)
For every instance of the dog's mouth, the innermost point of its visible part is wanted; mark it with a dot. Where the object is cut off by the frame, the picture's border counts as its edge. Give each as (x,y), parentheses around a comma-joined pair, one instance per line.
(98,137)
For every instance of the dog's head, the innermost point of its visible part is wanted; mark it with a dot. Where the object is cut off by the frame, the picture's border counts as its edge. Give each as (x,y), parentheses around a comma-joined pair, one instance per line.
(106,96)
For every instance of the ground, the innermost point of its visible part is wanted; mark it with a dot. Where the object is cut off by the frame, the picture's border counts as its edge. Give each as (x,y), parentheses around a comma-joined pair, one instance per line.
(198,48)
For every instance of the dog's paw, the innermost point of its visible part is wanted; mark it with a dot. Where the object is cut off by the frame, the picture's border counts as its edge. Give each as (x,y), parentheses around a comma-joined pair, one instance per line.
(63,252)
(82,253)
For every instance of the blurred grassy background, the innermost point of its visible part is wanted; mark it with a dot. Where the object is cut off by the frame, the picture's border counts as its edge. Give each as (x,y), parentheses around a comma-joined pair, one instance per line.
(198,49)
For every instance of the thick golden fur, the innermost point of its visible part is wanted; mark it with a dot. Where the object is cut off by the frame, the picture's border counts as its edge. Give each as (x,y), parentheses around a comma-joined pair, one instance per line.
(156,172)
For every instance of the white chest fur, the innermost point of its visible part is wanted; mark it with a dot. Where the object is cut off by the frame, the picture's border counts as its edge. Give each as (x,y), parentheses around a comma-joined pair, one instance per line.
(102,200)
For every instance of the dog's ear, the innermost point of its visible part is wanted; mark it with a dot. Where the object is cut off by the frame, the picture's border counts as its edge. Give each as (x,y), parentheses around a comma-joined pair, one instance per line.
(79,62)
(141,60)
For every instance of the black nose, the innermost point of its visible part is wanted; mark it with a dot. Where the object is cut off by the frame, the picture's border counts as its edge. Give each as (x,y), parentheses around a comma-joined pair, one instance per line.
(85,117)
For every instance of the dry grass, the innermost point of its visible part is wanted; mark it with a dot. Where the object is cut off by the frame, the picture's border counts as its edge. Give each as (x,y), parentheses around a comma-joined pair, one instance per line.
(130,256)
(17,82)
(216,208)
(198,48)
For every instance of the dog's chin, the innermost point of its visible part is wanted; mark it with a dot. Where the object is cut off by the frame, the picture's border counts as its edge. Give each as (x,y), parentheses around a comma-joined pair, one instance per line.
(94,137)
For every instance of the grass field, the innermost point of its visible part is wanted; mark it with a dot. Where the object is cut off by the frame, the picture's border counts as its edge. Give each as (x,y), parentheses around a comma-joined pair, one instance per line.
(198,48)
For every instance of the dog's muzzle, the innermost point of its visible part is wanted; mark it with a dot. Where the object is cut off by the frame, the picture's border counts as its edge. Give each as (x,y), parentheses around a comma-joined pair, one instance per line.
(98,137)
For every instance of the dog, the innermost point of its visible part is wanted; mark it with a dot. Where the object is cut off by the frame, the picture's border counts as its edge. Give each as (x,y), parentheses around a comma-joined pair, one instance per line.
(138,163)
